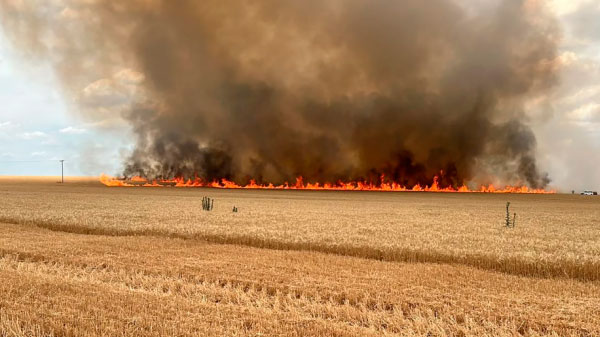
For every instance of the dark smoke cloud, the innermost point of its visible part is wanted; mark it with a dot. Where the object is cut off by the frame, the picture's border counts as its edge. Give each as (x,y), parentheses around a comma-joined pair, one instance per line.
(328,90)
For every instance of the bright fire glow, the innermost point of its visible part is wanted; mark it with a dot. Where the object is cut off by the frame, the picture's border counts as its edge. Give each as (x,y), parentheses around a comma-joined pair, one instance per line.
(300,185)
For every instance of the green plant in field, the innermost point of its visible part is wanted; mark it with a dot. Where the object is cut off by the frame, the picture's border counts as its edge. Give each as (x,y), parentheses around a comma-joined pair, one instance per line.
(510,223)
(207,203)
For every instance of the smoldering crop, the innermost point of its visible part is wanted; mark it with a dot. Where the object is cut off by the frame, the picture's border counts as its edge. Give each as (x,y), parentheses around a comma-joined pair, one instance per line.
(327,90)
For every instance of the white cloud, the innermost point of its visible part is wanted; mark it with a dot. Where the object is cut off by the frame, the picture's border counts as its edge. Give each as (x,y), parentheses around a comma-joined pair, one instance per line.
(108,124)
(7,130)
(585,94)
(129,76)
(564,7)
(38,154)
(110,97)
(33,135)
(586,112)
(50,141)
(102,87)
(72,130)
(69,13)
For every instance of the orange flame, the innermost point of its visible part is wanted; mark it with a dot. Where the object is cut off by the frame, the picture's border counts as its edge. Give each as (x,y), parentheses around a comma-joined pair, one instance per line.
(300,185)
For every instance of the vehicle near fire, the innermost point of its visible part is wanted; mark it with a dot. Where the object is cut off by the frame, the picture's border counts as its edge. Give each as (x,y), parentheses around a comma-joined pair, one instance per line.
(589,193)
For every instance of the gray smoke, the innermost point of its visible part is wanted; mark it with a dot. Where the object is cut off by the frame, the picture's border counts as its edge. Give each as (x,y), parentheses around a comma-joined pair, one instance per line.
(327,90)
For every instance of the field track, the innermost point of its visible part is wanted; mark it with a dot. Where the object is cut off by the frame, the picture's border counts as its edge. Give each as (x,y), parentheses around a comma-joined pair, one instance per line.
(81,259)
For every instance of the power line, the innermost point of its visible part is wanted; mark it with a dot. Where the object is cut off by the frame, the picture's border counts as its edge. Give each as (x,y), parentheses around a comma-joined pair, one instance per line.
(62,172)
(61,161)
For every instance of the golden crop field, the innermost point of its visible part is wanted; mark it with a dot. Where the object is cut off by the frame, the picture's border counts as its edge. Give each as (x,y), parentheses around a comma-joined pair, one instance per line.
(82,259)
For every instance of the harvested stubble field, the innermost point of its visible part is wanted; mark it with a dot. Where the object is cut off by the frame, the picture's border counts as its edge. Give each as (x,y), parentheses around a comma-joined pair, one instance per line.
(83,259)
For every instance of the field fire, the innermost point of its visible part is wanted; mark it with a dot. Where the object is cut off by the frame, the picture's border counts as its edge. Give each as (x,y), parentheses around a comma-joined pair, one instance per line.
(340,168)
(301,185)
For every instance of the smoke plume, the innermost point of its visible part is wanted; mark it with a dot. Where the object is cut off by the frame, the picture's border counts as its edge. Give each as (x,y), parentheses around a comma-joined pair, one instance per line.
(328,90)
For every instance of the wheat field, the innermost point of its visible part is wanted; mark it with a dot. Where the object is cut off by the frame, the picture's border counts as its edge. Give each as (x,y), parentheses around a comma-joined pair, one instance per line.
(81,259)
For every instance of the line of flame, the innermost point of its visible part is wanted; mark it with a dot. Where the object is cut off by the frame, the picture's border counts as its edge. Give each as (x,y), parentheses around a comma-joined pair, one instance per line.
(300,185)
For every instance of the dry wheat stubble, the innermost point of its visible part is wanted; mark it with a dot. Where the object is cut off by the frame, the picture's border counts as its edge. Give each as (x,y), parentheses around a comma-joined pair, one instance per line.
(136,276)
(556,235)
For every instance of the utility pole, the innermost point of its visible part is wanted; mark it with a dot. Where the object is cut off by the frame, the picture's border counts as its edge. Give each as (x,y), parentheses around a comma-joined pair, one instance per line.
(62,171)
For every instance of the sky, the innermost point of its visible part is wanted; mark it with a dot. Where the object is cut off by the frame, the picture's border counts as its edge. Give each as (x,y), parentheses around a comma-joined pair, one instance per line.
(568,134)
(40,124)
